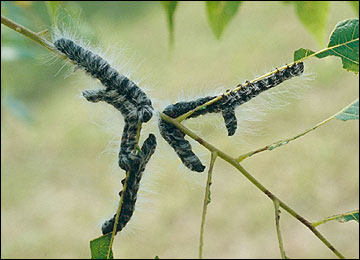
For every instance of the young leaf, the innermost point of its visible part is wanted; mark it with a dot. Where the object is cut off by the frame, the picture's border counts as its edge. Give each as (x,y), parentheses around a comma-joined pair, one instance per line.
(100,246)
(344,43)
(345,217)
(220,13)
(350,112)
(349,216)
(301,53)
(170,7)
(313,14)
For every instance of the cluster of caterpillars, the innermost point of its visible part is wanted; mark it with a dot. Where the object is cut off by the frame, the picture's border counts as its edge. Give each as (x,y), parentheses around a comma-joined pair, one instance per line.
(135,107)
(226,105)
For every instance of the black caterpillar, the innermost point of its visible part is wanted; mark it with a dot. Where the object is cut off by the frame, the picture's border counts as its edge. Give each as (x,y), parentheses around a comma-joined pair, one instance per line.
(136,108)
(226,105)
(99,68)
(132,182)
(128,110)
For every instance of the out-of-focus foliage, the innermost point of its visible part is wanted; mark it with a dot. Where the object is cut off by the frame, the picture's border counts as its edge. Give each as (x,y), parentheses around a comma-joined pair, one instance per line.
(170,7)
(313,14)
(355,5)
(220,13)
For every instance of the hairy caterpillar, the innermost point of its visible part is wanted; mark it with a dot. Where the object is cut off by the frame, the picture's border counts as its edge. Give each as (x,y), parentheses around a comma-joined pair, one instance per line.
(99,68)
(226,105)
(132,182)
(136,108)
(129,111)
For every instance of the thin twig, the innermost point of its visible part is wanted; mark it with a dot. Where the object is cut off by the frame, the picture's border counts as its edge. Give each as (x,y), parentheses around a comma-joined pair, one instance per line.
(277,144)
(335,217)
(206,202)
(277,223)
(122,199)
(36,37)
(247,175)
(239,86)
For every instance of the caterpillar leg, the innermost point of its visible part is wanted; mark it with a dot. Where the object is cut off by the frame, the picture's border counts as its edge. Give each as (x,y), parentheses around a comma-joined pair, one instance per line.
(95,95)
(230,120)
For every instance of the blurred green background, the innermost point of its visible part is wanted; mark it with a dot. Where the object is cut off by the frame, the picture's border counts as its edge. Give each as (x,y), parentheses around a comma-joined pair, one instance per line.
(59,175)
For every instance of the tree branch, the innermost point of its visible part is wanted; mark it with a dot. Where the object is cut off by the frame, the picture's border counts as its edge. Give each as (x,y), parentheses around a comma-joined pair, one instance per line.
(247,175)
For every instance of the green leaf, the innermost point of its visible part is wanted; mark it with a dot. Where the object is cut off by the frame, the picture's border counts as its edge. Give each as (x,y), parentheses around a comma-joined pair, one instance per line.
(301,53)
(52,7)
(349,216)
(313,14)
(220,13)
(350,112)
(355,5)
(344,43)
(345,217)
(156,257)
(100,246)
(170,7)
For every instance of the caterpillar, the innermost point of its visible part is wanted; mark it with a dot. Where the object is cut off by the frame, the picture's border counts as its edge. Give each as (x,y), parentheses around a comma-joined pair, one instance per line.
(226,105)
(135,107)
(129,111)
(132,182)
(99,68)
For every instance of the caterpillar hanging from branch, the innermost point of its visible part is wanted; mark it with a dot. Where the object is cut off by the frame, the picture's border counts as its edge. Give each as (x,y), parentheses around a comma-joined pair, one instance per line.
(226,105)
(135,107)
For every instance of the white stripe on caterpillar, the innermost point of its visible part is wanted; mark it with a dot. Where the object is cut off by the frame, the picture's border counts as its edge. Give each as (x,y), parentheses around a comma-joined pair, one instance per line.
(99,68)
(226,105)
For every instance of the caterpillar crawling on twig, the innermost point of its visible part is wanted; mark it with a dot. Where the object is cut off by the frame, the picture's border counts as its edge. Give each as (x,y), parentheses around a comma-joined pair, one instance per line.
(132,187)
(99,68)
(136,108)
(226,105)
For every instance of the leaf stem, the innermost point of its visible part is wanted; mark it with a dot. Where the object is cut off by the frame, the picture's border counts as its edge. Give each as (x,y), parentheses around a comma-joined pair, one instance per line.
(315,224)
(206,202)
(277,144)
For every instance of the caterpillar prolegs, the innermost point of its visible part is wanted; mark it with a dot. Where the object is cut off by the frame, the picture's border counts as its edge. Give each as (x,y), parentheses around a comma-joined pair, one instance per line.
(226,105)
(136,108)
